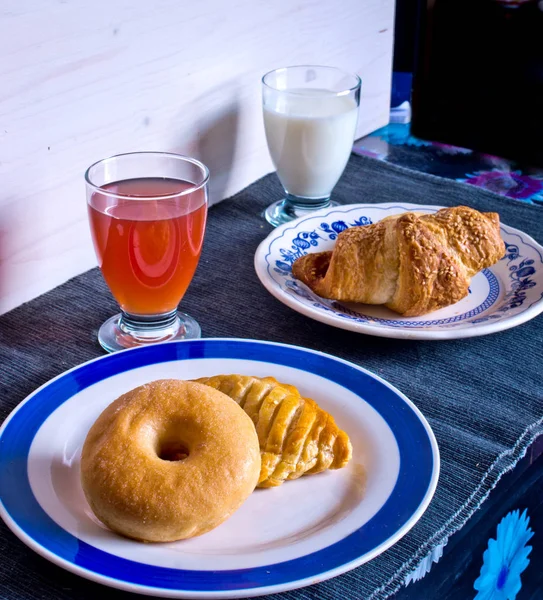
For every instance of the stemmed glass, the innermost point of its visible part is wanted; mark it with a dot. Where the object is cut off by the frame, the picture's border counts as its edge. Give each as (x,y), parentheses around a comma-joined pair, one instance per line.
(310,117)
(147,213)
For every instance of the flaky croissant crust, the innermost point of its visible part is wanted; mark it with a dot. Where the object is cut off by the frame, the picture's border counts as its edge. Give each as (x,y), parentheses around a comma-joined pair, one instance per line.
(414,264)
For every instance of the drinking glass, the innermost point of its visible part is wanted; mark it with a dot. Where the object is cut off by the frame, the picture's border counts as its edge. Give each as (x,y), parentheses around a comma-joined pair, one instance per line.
(310,116)
(147,213)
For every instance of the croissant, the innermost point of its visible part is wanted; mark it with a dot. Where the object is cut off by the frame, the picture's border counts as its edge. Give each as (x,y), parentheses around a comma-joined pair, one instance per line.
(411,263)
(296,436)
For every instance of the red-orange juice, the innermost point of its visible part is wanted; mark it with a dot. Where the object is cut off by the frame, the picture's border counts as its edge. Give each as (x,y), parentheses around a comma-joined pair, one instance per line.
(148,247)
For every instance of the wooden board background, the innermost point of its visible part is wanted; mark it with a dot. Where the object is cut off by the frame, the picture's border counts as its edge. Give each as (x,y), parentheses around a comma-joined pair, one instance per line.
(85,79)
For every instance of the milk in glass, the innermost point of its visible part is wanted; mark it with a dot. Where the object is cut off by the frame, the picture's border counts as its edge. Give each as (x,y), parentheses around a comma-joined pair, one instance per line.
(310,134)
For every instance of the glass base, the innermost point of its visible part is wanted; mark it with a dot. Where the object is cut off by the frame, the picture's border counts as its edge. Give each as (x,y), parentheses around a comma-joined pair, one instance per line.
(292,208)
(124,331)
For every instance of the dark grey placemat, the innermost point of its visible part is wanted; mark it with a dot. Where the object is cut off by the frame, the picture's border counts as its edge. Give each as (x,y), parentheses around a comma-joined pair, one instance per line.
(482,396)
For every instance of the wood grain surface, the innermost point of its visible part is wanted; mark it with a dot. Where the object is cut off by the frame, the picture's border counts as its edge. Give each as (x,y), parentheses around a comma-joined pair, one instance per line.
(85,79)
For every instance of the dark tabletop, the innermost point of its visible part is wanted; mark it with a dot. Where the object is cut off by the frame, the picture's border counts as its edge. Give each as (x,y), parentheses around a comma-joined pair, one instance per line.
(482,396)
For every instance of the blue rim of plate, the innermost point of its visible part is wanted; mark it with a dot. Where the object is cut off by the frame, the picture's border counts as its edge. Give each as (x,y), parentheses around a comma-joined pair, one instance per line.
(413,490)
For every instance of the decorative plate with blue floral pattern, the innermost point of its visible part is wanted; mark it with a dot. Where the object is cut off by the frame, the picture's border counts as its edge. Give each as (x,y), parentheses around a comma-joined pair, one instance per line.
(503,296)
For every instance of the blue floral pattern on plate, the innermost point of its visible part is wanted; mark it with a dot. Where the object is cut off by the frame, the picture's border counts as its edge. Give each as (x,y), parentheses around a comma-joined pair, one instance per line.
(520,272)
(505,291)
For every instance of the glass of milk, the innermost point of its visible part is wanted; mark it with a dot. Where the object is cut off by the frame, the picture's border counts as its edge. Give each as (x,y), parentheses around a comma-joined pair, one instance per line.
(310,116)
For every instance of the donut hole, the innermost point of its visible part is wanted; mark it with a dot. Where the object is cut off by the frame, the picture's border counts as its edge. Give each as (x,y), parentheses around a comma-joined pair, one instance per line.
(173,451)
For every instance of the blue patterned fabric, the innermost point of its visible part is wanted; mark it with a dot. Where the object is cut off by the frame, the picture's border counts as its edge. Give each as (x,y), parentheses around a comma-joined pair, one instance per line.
(395,144)
(482,396)
(505,559)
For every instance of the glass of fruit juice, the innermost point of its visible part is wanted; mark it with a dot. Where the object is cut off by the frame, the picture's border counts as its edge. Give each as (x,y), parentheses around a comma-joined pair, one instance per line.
(147,213)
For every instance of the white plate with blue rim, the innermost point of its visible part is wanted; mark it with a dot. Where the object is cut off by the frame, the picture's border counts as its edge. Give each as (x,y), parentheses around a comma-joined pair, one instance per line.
(298,534)
(503,296)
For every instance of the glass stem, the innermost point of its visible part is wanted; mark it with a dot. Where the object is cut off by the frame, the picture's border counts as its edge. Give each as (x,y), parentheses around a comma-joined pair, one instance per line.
(150,326)
(296,203)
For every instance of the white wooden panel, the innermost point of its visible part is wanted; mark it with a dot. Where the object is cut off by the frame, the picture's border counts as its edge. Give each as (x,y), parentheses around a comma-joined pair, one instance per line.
(84,79)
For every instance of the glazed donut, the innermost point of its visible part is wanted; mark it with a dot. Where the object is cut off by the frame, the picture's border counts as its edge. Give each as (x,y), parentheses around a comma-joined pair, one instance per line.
(169,460)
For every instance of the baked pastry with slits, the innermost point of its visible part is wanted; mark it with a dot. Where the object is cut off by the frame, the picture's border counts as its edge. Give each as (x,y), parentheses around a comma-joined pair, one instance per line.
(296,436)
(412,263)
